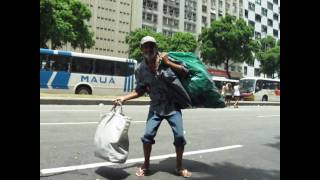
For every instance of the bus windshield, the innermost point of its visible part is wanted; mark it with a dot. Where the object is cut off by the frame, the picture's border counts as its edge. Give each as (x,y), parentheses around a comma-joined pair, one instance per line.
(247,85)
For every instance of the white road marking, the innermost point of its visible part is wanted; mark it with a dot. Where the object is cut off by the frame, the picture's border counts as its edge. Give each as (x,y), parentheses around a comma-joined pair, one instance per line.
(81,123)
(269,116)
(67,110)
(94,165)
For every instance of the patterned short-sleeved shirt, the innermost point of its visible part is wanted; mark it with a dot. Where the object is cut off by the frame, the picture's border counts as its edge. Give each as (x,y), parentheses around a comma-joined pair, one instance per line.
(161,99)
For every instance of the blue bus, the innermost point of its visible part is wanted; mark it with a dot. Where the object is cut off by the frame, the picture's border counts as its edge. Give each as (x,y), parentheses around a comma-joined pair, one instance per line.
(81,73)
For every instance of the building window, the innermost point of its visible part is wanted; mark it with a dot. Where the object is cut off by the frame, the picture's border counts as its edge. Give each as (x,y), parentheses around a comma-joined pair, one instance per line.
(270,22)
(275,16)
(240,12)
(239,69)
(257,35)
(227,7)
(258,18)
(143,15)
(204,9)
(246,13)
(258,2)
(245,70)
(204,20)
(189,27)
(270,6)
(256,72)
(234,7)
(165,9)
(275,33)
(155,18)
(264,28)
(149,17)
(252,23)
(264,11)
(176,23)
(233,68)
(275,1)
(251,6)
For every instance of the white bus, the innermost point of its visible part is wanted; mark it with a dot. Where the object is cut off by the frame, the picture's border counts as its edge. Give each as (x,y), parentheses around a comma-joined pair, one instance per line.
(219,81)
(260,89)
(80,73)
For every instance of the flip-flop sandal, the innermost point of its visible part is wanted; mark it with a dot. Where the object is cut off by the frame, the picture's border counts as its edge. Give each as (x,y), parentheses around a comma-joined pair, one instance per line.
(142,172)
(184,173)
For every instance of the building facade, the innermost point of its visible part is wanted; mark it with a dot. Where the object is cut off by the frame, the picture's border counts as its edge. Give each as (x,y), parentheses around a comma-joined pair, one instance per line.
(111,22)
(264,16)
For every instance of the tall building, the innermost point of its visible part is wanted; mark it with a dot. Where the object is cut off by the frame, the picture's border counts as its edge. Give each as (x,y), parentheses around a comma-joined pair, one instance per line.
(170,16)
(113,20)
(264,16)
(213,10)
(110,22)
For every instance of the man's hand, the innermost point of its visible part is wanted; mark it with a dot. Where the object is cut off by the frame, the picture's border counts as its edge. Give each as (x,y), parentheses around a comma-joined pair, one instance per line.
(119,100)
(165,58)
(179,68)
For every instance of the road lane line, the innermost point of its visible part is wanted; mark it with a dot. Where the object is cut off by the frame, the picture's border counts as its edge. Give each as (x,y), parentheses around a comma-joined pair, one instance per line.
(80,123)
(269,116)
(67,110)
(94,165)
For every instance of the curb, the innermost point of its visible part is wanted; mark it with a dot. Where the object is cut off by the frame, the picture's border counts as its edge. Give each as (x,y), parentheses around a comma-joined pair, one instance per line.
(88,101)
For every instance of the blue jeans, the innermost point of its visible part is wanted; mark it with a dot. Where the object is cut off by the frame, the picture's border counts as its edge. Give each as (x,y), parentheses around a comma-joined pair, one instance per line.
(153,123)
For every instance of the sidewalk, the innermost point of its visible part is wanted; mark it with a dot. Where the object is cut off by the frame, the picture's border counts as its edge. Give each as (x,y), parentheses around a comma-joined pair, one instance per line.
(57,99)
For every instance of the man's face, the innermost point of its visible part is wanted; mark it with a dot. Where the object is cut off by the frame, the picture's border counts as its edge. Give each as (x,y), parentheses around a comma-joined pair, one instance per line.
(149,50)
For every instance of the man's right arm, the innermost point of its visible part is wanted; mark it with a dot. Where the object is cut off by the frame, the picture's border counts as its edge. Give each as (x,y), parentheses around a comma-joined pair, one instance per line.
(125,98)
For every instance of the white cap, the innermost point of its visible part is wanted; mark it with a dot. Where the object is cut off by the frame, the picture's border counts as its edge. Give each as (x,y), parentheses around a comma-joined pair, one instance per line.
(147,39)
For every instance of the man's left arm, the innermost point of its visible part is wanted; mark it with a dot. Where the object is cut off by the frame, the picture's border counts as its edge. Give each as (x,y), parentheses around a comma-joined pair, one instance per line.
(176,67)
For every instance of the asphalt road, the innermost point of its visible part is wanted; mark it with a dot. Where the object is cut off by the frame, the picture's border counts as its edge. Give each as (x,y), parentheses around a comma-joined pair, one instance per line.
(252,133)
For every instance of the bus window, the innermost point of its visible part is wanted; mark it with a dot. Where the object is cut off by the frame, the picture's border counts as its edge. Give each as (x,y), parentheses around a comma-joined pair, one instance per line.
(124,69)
(44,63)
(247,85)
(131,68)
(270,85)
(260,84)
(105,67)
(277,85)
(59,63)
(81,65)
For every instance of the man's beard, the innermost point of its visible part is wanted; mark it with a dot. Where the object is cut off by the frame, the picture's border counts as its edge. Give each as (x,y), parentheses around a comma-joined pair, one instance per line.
(150,56)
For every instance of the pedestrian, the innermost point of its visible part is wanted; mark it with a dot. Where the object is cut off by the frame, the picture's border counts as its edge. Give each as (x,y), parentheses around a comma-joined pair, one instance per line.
(228,94)
(236,94)
(223,90)
(161,104)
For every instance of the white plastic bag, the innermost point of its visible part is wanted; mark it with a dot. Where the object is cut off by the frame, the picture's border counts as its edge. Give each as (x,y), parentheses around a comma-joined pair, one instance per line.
(111,138)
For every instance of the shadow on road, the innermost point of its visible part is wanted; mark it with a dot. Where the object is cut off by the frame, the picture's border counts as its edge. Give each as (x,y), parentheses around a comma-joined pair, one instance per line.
(216,171)
(112,173)
(275,145)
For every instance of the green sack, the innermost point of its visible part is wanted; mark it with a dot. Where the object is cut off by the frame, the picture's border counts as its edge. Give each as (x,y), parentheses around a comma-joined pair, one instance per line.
(199,84)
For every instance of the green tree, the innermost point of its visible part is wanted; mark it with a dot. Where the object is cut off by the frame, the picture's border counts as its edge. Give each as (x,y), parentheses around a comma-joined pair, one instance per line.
(183,41)
(269,56)
(266,43)
(228,39)
(134,38)
(63,21)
